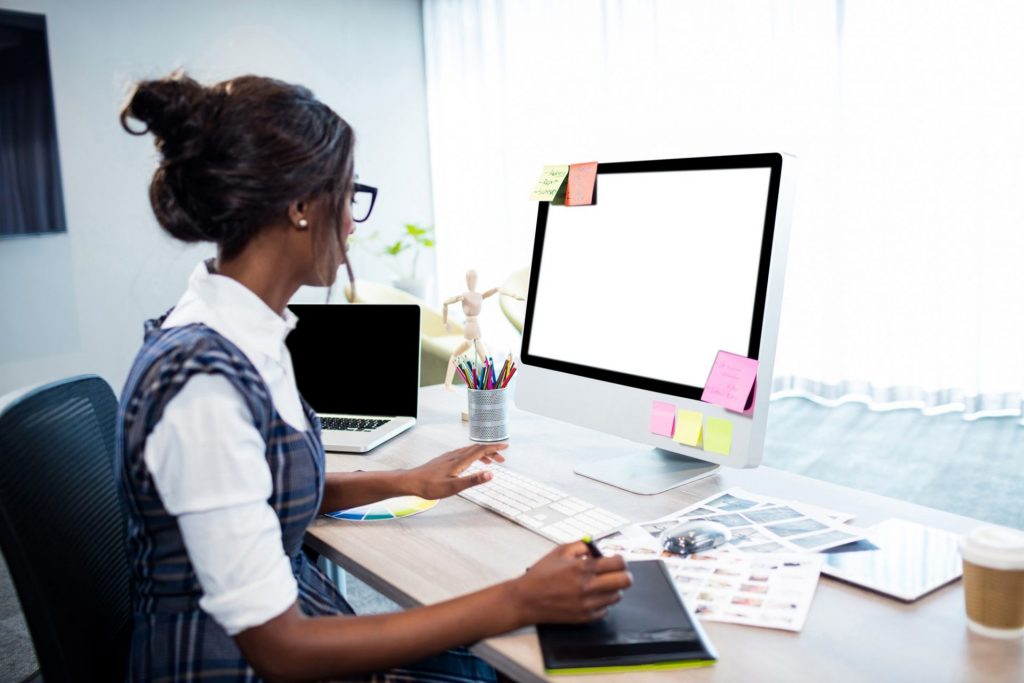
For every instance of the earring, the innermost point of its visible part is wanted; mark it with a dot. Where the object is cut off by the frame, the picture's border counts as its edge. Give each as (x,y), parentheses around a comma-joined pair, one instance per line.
(303,223)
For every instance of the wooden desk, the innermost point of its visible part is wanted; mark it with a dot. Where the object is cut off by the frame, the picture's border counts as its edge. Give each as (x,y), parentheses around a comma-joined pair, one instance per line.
(850,634)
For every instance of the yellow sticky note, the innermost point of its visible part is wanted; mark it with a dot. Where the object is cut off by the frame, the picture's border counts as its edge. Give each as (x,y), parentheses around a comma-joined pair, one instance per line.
(551,181)
(688,427)
(718,436)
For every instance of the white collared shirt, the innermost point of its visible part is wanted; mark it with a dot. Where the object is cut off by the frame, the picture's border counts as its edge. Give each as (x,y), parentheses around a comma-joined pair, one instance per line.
(208,460)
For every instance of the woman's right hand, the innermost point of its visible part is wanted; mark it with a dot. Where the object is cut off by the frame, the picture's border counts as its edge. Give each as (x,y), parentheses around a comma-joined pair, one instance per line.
(568,586)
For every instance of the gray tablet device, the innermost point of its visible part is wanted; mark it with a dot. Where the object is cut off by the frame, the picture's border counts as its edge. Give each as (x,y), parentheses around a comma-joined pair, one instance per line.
(912,560)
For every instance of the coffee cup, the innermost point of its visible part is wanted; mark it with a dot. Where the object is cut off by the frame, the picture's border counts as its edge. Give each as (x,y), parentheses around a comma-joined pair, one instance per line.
(994,581)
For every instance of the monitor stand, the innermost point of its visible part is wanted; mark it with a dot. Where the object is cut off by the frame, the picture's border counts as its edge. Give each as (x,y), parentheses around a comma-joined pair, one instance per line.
(648,472)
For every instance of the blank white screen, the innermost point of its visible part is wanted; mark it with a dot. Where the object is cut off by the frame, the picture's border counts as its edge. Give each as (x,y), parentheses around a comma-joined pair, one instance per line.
(657,277)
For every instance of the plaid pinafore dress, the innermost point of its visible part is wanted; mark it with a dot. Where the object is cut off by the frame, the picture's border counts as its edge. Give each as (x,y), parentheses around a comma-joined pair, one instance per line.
(173,639)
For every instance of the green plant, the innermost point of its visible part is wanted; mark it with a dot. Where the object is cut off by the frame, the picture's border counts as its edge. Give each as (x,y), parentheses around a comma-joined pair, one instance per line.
(413,241)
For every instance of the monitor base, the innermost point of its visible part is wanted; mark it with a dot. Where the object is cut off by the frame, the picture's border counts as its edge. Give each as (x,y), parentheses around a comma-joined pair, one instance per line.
(648,472)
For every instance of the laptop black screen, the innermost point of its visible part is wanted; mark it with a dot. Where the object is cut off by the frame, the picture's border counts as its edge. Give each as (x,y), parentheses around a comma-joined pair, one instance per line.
(359,359)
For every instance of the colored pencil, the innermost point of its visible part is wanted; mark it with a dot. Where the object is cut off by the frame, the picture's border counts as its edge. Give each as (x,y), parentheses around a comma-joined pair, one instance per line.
(504,370)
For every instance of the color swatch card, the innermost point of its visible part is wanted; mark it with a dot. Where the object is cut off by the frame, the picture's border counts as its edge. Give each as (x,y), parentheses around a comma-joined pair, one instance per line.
(392,508)
(732,382)
(551,185)
(663,419)
(581,189)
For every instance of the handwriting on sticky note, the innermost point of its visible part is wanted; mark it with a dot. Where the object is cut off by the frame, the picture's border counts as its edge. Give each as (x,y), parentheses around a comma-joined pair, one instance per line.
(718,435)
(688,427)
(579,190)
(550,182)
(663,418)
(731,382)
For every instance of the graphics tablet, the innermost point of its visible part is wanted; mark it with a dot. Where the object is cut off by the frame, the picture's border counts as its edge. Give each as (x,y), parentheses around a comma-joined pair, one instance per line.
(912,560)
(649,629)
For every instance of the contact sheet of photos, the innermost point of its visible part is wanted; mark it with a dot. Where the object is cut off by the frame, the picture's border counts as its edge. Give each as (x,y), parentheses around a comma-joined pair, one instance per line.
(767,590)
(765,576)
(760,524)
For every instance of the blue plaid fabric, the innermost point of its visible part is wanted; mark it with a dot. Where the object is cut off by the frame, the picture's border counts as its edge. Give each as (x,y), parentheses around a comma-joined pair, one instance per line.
(173,639)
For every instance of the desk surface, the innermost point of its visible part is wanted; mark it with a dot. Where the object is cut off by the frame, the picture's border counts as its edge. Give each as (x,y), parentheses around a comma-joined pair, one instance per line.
(457,547)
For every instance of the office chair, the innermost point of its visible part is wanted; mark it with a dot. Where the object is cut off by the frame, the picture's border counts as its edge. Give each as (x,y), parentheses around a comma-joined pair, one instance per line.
(63,530)
(437,343)
(515,311)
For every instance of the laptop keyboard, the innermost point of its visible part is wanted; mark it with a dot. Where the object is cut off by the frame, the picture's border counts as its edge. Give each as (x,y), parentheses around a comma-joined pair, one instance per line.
(351,424)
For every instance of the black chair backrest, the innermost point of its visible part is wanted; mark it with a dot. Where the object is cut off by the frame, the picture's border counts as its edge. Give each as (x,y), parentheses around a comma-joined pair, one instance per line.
(63,530)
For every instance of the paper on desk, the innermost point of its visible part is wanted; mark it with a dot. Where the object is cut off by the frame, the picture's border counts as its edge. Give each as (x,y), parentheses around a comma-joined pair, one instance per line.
(551,182)
(770,591)
(663,419)
(633,543)
(581,185)
(689,425)
(767,590)
(731,382)
(760,524)
(736,498)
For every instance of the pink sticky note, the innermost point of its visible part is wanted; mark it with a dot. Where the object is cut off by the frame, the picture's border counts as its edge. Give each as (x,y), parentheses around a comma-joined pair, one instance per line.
(731,382)
(579,190)
(663,418)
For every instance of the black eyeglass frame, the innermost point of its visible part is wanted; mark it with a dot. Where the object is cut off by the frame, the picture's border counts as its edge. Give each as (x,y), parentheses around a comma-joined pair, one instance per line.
(358,187)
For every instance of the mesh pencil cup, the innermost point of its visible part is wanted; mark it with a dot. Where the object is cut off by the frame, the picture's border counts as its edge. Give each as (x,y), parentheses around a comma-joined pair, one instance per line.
(488,414)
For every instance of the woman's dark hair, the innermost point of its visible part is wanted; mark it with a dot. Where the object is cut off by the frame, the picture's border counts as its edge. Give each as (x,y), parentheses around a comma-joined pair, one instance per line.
(235,155)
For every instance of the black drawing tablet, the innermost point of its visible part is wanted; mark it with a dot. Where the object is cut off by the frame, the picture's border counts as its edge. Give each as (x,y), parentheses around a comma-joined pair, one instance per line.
(650,628)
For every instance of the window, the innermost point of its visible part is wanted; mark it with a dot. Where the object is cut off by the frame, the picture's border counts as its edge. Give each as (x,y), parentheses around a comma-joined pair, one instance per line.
(31,200)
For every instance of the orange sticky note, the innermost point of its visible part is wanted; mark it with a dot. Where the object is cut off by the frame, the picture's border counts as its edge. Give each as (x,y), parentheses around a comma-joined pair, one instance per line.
(581,189)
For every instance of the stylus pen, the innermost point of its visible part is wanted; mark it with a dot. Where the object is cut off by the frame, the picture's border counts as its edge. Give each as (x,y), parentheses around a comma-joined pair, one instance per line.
(592,547)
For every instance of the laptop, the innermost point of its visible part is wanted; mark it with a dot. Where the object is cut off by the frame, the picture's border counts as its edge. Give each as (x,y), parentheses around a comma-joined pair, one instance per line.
(358,366)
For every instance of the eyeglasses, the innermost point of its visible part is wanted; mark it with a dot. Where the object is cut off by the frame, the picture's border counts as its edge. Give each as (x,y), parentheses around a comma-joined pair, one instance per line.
(363,198)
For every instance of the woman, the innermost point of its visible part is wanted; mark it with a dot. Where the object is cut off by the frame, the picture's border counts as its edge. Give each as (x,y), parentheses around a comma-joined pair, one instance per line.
(220,460)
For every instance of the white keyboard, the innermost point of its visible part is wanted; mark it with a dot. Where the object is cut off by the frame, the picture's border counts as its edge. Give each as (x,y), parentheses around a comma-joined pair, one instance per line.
(553,514)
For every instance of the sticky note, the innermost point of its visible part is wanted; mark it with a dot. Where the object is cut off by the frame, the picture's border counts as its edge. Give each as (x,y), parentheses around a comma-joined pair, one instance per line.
(688,427)
(663,418)
(581,187)
(718,435)
(551,183)
(731,382)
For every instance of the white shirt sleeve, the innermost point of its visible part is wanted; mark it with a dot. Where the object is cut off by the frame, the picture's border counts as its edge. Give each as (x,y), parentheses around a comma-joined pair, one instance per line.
(209,465)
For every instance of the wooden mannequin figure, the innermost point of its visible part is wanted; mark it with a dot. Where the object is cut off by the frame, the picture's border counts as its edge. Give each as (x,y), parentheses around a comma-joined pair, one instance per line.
(472,302)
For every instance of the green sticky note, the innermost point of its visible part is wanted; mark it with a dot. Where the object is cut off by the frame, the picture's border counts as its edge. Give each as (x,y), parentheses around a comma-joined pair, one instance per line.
(718,435)
(688,427)
(551,184)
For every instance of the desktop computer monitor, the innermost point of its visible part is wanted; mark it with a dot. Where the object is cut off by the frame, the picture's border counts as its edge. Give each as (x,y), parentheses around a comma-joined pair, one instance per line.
(631,299)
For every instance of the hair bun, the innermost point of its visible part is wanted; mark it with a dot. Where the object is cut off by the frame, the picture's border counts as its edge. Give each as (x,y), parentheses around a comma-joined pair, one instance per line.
(175,109)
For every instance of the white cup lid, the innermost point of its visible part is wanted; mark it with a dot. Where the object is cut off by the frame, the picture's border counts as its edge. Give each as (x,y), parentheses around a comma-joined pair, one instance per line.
(994,546)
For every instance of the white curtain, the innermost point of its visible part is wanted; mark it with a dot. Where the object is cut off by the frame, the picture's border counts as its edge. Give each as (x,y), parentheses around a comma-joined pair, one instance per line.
(905,281)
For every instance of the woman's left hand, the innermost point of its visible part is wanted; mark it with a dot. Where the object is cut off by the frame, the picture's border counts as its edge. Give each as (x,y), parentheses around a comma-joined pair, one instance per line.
(440,478)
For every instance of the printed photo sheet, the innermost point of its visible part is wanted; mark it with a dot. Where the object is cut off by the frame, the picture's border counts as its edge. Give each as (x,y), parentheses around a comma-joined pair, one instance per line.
(760,524)
(765,590)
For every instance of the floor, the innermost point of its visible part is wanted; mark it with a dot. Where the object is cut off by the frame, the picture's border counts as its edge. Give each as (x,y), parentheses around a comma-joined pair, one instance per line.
(17,660)
(974,469)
